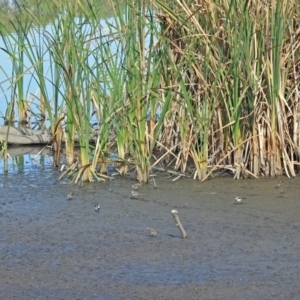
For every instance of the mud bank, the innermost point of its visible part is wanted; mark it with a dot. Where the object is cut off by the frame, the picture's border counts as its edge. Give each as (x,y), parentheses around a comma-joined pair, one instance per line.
(54,248)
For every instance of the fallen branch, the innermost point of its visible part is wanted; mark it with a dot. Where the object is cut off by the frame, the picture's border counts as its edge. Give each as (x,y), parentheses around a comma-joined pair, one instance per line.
(26,136)
(178,223)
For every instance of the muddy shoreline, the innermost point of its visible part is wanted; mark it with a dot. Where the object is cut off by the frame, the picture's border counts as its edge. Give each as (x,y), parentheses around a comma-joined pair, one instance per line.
(54,248)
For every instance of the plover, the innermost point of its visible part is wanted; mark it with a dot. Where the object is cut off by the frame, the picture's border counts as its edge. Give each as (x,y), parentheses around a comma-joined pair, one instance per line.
(70,196)
(97,208)
(238,200)
(152,231)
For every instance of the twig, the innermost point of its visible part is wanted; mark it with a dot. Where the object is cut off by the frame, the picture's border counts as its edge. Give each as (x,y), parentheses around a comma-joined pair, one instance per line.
(178,223)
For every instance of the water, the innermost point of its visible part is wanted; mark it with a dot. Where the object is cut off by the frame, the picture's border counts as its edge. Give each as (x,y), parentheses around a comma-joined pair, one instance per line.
(27,160)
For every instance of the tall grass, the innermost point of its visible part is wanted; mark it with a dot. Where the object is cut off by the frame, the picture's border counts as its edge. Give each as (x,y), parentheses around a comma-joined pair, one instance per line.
(133,78)
(198,86)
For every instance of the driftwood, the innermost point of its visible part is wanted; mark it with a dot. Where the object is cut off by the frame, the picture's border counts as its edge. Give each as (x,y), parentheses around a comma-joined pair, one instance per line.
(178,223)
(26,136)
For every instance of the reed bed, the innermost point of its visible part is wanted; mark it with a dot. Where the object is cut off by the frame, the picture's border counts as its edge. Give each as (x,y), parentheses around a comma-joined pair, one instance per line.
(235,72)
(197,86)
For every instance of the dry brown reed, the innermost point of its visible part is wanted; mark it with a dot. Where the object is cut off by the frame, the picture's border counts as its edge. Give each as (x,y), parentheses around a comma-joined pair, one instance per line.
(234,68)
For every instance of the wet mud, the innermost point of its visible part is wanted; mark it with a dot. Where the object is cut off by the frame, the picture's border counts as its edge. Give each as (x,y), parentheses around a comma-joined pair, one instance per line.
(55,248)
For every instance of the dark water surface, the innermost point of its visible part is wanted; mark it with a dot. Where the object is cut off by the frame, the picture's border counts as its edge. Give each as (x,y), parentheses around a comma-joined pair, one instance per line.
(54,248)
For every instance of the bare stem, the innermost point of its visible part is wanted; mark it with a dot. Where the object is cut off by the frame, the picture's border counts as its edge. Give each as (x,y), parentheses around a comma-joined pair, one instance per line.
(178,223)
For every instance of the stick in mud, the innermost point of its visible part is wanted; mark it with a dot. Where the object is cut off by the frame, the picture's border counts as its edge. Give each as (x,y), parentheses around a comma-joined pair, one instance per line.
(178,223)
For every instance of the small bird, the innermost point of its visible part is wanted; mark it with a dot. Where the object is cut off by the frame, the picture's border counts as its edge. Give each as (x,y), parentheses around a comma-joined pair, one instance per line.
(135,194)
(238,200)
(152,231)
(70,196)
(97,208)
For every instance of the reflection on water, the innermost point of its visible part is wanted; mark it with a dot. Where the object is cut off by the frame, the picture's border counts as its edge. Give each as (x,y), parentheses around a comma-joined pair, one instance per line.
(26,160)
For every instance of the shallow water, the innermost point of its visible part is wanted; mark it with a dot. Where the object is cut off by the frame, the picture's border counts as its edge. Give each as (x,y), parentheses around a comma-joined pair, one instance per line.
(54,248)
